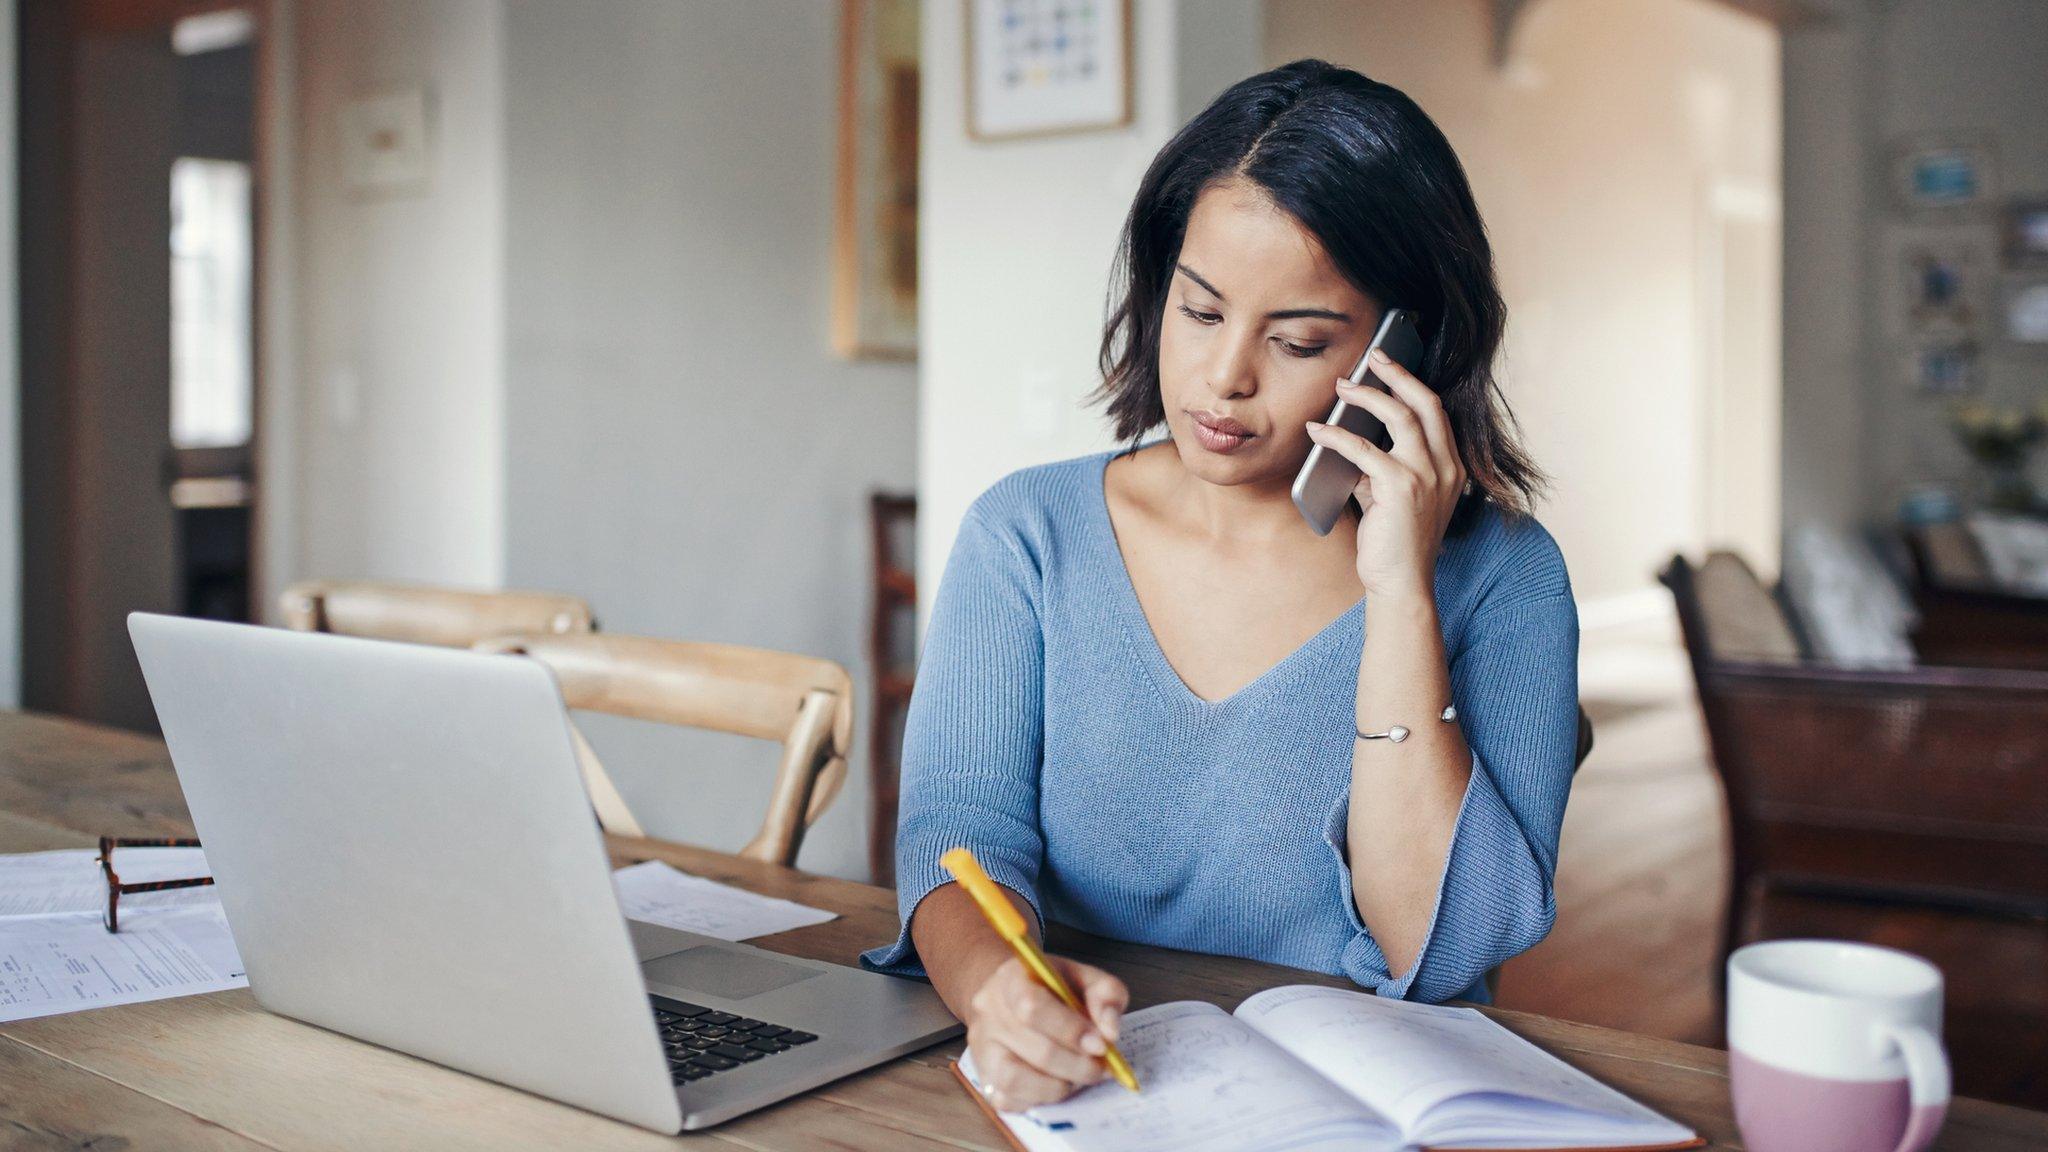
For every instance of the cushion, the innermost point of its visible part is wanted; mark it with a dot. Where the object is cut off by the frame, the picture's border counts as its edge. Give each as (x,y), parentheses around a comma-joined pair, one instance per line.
(1854,611)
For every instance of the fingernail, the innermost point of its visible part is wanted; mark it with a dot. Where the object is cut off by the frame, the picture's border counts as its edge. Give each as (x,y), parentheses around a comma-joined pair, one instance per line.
(1313,426)
(1380,354)
(1093,1045)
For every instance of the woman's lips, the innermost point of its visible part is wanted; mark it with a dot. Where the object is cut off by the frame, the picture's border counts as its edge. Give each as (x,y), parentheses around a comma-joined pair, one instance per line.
(1219,434)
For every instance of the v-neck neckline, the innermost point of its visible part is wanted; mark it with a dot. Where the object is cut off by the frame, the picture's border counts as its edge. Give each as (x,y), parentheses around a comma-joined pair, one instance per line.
(1137,627)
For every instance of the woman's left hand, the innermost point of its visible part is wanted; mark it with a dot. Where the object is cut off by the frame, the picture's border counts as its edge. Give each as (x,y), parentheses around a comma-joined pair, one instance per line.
(1407,492)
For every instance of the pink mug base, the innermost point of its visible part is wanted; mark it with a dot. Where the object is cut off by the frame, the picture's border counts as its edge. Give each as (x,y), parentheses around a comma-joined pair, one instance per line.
(1781,1111)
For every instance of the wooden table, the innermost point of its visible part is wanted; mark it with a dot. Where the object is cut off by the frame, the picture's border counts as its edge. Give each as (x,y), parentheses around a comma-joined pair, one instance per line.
(219,1072)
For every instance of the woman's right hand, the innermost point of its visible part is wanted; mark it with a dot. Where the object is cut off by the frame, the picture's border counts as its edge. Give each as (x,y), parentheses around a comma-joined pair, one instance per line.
(1029,1047)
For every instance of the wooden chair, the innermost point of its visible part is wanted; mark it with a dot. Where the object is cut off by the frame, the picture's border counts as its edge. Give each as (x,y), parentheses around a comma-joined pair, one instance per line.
(454,618)
(1965,617)
(802,702)
(1923,784)
(418,614)
(892,659)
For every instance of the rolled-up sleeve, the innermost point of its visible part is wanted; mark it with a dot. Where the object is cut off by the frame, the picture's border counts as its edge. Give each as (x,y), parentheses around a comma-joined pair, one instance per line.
(973,735)
(1516,687)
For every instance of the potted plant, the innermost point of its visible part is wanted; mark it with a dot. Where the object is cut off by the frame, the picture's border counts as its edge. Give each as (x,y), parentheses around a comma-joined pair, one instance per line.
(2001,441)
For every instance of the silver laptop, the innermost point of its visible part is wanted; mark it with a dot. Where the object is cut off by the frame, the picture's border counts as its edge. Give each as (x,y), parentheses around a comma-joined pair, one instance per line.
(405,853)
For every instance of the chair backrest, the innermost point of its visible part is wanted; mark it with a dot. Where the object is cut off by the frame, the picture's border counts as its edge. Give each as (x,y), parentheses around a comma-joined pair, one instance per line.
(1946,555)
(444,617)
(1702,653)
(1738,616)
(802,702)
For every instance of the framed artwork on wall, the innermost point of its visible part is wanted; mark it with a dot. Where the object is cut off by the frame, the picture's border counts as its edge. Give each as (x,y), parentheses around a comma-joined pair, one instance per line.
(1944,368)
(1945,172)
(2026,233)
(1044,67)
(384,145)
(2025,309)
(874,241)
(1942,280)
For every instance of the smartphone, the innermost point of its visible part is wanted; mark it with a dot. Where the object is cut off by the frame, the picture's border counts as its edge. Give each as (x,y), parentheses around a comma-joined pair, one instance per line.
(1327,479)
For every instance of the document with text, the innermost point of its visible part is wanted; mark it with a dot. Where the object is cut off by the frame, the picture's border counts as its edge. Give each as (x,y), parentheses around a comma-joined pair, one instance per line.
(658,894)
(68,961)
(1311,1069)
(70,880)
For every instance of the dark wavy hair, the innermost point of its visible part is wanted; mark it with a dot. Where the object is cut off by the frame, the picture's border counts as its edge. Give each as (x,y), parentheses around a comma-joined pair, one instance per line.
(1360,166)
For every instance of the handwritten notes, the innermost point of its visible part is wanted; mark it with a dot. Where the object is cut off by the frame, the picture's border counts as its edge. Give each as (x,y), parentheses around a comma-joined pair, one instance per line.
(658,894)
(1304,1067)
(1211,1084)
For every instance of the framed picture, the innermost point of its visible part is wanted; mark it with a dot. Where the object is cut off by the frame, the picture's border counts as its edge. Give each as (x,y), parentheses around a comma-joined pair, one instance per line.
(1041,67)
(1944,173)
(1944,368)
(874,241)
(2026,233)
(384,143)
(2025,311)
(1942,280)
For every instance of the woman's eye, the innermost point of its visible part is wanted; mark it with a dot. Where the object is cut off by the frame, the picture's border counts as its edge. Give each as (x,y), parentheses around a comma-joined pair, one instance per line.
(1304,351)
(1199,317)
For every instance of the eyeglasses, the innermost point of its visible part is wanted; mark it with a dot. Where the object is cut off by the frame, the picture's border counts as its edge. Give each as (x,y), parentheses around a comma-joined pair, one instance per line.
(112,917)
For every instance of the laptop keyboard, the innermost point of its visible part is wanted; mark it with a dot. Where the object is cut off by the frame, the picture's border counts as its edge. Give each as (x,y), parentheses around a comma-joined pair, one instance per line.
(701,1042)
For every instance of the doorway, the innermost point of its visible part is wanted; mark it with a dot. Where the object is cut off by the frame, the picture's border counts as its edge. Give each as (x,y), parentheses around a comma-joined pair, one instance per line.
(138,200)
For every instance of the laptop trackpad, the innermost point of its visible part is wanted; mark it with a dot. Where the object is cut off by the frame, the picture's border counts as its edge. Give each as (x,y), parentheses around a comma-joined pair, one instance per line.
(723,972)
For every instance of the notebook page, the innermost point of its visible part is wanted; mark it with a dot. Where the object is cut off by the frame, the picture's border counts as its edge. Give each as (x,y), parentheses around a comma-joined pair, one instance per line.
(1210,1085)
(1405,1059)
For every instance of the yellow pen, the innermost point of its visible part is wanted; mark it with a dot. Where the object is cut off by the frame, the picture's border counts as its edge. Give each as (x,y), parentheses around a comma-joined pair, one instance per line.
(1004,918)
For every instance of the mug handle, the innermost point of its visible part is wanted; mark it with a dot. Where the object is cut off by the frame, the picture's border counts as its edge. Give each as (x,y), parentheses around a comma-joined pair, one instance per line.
(1927,1077)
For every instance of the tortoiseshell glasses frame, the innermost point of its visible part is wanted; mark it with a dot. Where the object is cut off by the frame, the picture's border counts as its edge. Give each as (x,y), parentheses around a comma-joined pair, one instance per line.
(111,917)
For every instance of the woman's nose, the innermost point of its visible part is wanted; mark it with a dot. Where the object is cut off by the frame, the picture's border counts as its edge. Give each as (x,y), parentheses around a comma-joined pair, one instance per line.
(1231,372)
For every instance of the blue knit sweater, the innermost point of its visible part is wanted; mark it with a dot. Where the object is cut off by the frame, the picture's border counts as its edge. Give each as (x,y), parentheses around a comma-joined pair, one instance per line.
(1049,733)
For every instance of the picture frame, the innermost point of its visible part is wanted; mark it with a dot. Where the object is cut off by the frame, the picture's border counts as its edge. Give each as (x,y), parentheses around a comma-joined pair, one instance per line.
(1945,172)
(384,145)
(2026,233)
(2023,312)
(1941,280)
(1945,368)
(1047,67)
(875,196)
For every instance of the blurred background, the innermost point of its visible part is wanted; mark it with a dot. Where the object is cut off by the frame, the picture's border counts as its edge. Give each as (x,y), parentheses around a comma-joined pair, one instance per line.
(716,315)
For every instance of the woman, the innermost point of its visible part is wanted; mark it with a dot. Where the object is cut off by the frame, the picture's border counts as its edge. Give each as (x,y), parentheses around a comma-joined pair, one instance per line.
(1149,691)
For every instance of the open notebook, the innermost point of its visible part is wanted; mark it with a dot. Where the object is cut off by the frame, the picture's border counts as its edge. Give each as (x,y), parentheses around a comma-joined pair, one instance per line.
(1303,1068)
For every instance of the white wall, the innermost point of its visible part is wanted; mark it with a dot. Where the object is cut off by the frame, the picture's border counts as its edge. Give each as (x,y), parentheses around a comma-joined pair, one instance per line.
(398,374)
(1857,434)
(594,355)
(1826,78)
(683,447)
(1593,154)
(1015,241)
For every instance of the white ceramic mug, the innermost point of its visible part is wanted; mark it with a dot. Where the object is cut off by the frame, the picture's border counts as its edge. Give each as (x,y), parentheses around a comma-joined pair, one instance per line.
(1835,1047)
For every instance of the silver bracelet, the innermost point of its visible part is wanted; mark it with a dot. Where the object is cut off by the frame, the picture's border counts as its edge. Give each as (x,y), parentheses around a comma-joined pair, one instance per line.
(1398,732)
